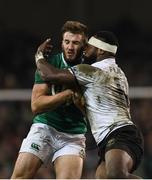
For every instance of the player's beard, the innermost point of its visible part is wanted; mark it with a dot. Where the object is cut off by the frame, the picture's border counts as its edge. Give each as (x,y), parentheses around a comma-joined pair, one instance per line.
(76,60)
(89,60)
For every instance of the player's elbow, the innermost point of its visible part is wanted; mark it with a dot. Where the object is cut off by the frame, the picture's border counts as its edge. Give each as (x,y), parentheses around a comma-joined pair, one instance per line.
(34,108)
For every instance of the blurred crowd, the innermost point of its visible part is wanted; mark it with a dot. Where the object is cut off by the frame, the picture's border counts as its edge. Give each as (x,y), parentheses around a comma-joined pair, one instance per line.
(17,71)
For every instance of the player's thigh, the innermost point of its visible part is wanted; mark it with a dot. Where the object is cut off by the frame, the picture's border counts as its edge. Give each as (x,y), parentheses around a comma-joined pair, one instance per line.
(68,159)
(101,171)
(26,166)
(68,166)
(118,160)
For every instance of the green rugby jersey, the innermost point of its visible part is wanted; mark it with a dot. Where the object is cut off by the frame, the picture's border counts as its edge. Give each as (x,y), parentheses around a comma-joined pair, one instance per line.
(65,118)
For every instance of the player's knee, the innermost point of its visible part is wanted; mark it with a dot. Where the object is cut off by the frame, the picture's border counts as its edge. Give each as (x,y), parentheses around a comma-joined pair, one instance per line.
(22,176)
(72,174)
(19,174)
(67,176)
(100,174)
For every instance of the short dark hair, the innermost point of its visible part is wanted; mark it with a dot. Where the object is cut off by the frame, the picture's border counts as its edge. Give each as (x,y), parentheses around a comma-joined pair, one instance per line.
(75,27)
(108,37)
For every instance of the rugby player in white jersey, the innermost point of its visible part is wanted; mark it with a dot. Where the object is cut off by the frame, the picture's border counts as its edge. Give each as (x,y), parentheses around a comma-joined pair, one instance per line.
(105,90)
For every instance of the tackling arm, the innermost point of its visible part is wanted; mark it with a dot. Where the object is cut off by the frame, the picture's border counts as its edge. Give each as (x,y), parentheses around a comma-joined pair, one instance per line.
(54,75)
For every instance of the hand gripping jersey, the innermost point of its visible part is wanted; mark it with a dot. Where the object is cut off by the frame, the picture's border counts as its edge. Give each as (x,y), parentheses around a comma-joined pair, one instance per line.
(65,118)
(105,89)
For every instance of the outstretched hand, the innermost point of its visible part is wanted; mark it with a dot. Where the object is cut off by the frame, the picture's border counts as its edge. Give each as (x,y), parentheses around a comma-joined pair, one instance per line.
(43,50)
(46,48)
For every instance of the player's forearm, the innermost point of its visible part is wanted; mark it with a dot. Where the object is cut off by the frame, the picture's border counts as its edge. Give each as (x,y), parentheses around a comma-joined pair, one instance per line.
(47,71)
(51,74)
(54,75)
(48,103)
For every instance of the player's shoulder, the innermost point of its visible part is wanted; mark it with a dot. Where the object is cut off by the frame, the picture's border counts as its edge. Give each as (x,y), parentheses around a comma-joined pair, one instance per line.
(85,67)
(55,58)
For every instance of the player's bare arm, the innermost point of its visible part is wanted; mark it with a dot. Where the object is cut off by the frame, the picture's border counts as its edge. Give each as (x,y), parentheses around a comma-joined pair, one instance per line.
(41,101)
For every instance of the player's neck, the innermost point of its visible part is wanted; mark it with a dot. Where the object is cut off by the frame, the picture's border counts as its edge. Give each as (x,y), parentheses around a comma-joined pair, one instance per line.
(102,57)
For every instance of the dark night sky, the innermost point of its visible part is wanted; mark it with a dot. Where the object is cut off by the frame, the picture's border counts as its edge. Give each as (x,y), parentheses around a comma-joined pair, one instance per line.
(47,16)
(24,24)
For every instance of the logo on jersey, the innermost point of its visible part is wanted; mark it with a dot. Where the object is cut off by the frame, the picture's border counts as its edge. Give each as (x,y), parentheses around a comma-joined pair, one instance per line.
(111,142)
(35,146)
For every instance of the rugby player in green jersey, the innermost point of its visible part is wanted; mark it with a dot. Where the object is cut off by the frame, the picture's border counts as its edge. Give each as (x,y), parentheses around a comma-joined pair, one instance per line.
(57,132)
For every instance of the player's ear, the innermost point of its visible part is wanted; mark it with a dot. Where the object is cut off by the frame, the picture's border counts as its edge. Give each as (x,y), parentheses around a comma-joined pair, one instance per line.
(85,47)
(100,51)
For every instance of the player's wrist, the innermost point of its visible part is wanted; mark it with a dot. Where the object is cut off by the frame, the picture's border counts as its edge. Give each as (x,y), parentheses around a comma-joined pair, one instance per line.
(39,55)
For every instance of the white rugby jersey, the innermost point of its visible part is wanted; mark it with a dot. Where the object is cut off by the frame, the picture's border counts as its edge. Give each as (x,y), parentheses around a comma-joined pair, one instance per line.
(105,89)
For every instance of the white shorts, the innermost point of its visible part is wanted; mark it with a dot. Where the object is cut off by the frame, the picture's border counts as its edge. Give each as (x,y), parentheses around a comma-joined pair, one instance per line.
(47,143)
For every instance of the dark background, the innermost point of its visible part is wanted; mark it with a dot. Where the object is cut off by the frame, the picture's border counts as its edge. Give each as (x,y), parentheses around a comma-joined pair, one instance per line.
(24,24)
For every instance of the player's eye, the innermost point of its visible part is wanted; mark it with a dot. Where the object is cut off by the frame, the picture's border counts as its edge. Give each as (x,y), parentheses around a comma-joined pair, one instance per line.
(66,41)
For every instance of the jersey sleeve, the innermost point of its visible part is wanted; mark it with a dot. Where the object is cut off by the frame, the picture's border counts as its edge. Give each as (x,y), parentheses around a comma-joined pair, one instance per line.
(38,79)
(86,74)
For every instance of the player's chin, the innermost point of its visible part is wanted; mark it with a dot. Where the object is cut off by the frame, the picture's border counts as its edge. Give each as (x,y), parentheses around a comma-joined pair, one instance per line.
(89,60)
(70,58)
